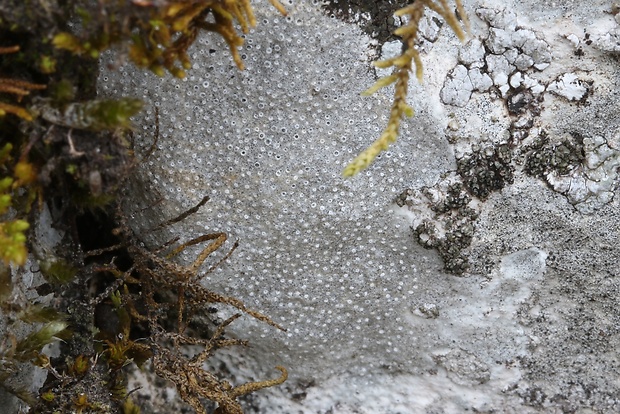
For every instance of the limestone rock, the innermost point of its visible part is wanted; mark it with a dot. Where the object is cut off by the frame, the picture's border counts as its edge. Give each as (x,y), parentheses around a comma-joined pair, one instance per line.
(534,325)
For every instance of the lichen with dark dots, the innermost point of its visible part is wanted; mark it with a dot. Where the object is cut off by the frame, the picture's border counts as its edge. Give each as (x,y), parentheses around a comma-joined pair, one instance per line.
(486,170)
(544,156)
(459,228)
(451,229)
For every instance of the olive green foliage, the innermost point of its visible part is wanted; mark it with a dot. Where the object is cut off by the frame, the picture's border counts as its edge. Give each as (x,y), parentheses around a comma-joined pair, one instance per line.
(157,35)
(16,186)
(57,271)
(64,147)
(17,177)
(58,146)
(94,115)
(402,67)
(17,88)
(17,349)
(27,327)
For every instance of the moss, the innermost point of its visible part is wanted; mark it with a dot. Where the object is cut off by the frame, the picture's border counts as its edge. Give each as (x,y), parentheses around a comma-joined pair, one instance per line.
(402,66)
(57,271)
(93,115)
(17,183)
(18,88)
(157,37)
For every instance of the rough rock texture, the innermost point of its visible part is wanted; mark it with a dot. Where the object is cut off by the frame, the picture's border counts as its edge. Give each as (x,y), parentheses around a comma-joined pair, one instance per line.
(24,377)
(507,174)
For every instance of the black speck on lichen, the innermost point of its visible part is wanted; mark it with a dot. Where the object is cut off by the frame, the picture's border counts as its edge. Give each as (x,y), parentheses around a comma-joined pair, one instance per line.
(521,101)
(486,170)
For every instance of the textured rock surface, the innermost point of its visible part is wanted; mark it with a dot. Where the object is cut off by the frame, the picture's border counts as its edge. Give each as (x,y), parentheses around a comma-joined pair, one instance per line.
(22,376)
(508,171)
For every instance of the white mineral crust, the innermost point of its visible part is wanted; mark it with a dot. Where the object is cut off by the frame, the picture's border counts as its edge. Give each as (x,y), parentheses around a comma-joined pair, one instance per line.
(374,323)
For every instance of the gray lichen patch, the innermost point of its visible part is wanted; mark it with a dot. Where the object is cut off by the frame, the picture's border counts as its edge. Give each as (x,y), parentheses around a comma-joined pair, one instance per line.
(510,63)
(584,169)
(486,170)
(519,63)
(504,59)
(592,184)
(575,287)
(463,367)
(445,221)
(570,87)
(322,256)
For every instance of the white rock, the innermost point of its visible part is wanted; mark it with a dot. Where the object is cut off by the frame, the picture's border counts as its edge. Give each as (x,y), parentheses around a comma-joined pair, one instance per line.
(503,19)
(511,55)
(538,50)
(574,39)
(481,82)
(523,62)
(499,68)
(516,80)
(533,85)
(568,86)
(472,54)
(499,40)
(458,87)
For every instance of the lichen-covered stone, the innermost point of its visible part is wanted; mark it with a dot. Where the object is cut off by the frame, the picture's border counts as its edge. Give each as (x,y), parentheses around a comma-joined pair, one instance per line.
(333,260)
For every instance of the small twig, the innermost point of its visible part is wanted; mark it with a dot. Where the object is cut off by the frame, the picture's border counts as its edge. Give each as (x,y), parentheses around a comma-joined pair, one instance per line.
(72,150)
(183,215)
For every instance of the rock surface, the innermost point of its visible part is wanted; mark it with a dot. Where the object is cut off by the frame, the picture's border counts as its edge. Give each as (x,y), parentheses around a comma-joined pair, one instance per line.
(507,175)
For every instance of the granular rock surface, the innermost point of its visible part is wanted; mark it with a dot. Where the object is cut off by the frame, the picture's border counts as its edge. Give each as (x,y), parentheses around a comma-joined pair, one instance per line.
(504,303)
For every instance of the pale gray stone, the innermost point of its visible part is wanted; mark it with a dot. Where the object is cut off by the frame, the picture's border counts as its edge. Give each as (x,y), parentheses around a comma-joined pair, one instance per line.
(334,260)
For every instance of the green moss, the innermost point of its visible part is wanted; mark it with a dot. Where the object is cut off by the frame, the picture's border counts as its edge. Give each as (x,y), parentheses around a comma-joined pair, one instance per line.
(57,271)
(402,66)
(13,230)
(94,115)
(157,37)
